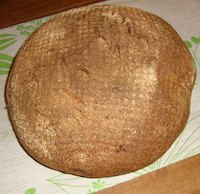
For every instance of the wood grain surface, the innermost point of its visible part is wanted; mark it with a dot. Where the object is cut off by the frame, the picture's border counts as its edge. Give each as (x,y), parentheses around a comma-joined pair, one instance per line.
(179,178)
(17,11)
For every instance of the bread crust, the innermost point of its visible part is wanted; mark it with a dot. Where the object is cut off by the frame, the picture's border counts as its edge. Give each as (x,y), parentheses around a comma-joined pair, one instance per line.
(100,91)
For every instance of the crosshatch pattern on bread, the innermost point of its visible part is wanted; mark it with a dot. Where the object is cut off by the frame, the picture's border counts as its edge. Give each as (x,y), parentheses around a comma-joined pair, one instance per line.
(100,91)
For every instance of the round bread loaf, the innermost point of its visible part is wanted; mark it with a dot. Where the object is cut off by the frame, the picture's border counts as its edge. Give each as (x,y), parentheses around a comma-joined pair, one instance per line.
(100,91)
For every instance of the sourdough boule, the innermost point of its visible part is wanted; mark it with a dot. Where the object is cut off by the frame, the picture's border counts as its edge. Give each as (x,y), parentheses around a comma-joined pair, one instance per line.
(100,91)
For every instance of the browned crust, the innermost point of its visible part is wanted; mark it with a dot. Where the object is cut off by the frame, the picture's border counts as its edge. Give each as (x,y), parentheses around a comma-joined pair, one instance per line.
(100,91)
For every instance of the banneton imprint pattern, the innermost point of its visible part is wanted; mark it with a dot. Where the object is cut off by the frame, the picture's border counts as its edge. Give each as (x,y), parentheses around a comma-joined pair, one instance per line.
(104,90)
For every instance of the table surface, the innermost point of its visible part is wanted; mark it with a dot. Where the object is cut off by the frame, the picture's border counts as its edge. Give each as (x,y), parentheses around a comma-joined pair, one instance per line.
(20,174)
(16,11)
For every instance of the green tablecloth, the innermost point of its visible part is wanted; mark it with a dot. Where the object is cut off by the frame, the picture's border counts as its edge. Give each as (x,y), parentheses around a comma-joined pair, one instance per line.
(20,174)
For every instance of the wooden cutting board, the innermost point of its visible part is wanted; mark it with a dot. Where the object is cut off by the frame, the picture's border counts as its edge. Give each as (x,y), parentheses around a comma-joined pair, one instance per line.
(17,11)
(179,178)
